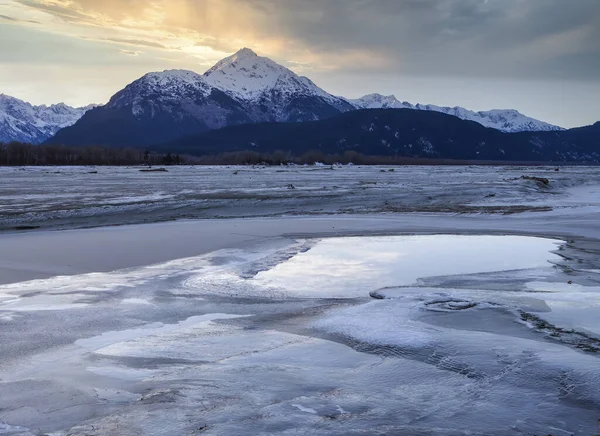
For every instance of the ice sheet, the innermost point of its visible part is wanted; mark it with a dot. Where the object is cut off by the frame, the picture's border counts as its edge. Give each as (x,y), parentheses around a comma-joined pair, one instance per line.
(284,337)
(70,197)
(352,267)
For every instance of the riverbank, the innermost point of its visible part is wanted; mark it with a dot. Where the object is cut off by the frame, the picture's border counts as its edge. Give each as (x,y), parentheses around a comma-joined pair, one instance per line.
(43,254)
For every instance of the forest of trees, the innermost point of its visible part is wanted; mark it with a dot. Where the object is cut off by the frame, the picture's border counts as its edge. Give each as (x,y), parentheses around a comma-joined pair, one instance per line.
(285,157)
(22,154)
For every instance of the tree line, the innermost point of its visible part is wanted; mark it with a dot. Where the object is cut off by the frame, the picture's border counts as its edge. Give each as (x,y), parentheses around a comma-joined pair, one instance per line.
(280,157)
(23,154)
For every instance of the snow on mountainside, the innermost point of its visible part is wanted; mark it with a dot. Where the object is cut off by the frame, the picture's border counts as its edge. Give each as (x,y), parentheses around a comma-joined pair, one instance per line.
(169,84)
(378,101)
(249,76)
(154,90)
(156,108)
(21,121)
(278,93)
(240,89)
(265,89)
(506,120)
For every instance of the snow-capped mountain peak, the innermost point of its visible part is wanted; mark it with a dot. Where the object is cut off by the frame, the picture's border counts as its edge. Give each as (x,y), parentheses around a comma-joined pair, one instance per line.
(159,89)
(378,101)
(242,88)
(247,76)
(506,120)
(171,84)
(22,121)
(170,78)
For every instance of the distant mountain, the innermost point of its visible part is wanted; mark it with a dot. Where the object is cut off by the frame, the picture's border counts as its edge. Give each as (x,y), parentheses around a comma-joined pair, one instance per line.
(398,132)
(155,108)
(21,121)
(506,120)
(272,92)
(243,88)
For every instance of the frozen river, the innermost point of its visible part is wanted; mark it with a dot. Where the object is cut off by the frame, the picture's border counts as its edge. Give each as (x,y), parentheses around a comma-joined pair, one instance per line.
(426,301)
(84,197)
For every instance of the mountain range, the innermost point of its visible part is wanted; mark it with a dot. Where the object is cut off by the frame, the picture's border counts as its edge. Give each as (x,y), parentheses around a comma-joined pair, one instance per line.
(21,121)
(241,89)
(505,120)
(397,133)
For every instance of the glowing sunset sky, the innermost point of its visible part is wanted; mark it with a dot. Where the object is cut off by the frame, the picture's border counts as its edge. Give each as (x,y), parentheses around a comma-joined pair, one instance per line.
(541,57)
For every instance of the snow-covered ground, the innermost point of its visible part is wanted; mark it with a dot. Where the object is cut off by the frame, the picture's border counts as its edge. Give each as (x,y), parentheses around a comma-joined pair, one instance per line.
(475,315)
(468,335)
(74,197)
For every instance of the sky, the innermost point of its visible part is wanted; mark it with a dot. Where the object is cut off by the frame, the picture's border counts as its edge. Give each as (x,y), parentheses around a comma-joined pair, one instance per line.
(541,57)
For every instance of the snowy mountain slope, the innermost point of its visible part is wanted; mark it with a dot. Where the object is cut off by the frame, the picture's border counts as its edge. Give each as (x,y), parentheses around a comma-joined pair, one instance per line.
(156,88)
(240,89)
(278,93)
(506,120)
(243,88)
(378,101)
(21,121)
(178,94)
(248,76)
(157,107)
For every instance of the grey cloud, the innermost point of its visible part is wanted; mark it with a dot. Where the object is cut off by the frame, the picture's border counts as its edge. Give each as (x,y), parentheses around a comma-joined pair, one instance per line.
(64,12)
(458,37)
(130,52)
(478,38)
(17,20)
(138,42)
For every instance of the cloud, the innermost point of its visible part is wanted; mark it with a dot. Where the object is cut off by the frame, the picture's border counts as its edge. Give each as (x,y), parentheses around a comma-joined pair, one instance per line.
(17,20)
(137,42)
(57,8)
(472,38)
(130,52)
(451,52)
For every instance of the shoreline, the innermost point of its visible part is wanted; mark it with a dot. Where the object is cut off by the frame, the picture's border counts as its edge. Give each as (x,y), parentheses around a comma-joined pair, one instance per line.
(48,253)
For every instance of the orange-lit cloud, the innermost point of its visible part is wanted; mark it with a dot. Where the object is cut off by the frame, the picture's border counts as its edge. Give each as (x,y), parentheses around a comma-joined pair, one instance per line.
(113,42)
(205,29)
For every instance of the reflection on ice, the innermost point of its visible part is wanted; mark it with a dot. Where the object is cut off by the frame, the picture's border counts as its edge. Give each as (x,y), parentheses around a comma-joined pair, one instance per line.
(351,267)
(572,306)
(469,335)
(150,330)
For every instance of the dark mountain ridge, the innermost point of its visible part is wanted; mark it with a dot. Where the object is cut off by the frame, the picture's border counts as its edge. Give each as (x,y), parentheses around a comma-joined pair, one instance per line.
(241,89)
(398,132)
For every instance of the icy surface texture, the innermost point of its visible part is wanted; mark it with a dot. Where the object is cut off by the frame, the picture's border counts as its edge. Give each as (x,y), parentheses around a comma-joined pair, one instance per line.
(420,335)
(80,197)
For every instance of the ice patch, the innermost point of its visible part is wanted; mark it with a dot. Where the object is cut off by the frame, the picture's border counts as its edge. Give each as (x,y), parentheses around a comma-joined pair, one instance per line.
(305,409)
(137,301)
(123,373)
(380,323)
(342,411)
(351,267)
(10,429)
(572,306)
(109,338)
(209,342)
(115,396)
